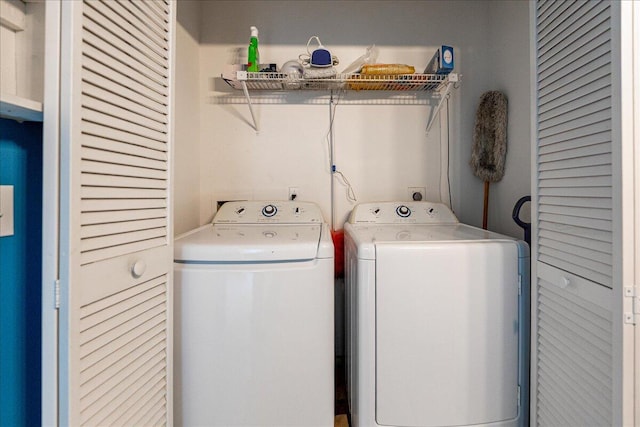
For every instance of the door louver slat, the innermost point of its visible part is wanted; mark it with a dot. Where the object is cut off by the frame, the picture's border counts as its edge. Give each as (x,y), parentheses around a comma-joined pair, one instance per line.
(582,66)
(123,114)
(596,375)
(575,201)
(123,249)
(555,15)
(153,22)
(549,121)
(580,232)
(578,60)
(100,25)
(160,7)
(589,74)
(576,247)
(584,241)
(122,181)
(577,152)
(551,220)
(569,124)
(111,98)
(568,183)
(130,373)
(559,33)
(104,144)
(120,15)
(111,157)
(92,218)
(599,174)
(99,154)
(117,371)
(96,116)
(111,134)
(593,139)
(585,132)
(575,191)
(122,78)
(574,354)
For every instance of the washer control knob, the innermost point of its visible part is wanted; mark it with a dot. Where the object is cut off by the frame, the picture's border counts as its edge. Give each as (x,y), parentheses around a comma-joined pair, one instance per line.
(269,210)
(403,211)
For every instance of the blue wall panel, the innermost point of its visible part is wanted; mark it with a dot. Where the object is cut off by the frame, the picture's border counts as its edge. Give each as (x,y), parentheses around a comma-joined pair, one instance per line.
(20,275)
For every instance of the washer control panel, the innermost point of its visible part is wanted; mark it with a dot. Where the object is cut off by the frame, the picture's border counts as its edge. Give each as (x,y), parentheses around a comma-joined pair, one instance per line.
(402,213)
(270,212)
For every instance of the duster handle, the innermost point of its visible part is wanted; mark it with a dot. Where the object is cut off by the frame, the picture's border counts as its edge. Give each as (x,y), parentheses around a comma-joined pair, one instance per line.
(485,210)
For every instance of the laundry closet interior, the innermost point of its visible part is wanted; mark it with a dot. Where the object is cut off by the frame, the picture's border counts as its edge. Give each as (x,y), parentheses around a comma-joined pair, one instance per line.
(377,140)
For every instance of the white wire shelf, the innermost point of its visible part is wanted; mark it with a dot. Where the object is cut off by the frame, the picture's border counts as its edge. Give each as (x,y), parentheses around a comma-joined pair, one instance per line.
(356,82)
(440,84)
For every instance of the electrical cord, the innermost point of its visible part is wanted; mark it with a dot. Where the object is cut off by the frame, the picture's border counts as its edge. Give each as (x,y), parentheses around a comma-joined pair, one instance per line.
(351,195)
(449,157)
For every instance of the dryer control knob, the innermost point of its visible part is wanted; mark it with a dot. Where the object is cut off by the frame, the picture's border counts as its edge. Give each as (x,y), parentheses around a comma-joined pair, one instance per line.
(269,210)
(403,211)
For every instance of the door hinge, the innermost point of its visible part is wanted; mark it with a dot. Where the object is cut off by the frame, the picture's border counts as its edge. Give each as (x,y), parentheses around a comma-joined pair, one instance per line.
(631,316)
(519,284)
(56,293)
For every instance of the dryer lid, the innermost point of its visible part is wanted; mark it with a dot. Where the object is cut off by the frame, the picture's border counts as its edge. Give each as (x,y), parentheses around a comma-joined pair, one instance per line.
(224,243)
(367,236)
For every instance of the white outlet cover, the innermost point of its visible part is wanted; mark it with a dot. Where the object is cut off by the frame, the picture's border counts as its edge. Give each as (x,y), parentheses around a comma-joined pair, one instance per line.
(6,210)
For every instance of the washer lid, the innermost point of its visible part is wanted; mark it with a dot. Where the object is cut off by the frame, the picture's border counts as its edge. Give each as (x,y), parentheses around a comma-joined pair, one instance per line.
(251,243)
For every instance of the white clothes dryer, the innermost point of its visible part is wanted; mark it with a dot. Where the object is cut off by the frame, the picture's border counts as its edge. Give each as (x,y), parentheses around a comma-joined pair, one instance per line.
(437,320)
(254,310)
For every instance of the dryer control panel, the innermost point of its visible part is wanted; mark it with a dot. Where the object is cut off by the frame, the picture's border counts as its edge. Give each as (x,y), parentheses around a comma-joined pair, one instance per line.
(269,212)
(402,213)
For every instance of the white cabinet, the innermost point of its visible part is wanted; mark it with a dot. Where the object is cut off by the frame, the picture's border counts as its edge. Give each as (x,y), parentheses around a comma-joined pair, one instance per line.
(21,59)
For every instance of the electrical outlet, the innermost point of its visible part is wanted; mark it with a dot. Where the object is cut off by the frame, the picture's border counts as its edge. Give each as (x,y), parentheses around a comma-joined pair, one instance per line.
(6,210)
(416,193)
(294,193)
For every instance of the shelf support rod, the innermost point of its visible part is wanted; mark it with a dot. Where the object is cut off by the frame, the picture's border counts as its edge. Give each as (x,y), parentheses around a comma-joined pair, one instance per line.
(444,96)
(246,95)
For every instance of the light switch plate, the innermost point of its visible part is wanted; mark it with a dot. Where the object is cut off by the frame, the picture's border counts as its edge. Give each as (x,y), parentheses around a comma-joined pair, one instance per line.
(6,210)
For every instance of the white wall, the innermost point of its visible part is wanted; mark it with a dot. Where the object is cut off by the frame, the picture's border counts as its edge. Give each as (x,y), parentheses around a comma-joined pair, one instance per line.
(381,149)
(510,53)
(506,68)
(187,118)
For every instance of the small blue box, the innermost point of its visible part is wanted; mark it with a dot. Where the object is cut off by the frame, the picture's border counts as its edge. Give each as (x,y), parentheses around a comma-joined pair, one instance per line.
(442,61)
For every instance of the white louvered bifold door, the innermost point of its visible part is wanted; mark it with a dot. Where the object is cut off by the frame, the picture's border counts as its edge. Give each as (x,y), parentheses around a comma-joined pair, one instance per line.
(116,251)
(576,233)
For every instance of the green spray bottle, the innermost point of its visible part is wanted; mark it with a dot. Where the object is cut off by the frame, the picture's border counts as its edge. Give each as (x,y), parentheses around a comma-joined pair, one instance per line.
(254,55)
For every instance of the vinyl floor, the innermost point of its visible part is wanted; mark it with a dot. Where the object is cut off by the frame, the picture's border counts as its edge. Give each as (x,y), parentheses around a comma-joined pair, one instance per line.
(341,419)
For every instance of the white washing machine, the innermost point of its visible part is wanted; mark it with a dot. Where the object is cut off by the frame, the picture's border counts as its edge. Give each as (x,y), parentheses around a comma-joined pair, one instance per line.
(254,328)
(437,320)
